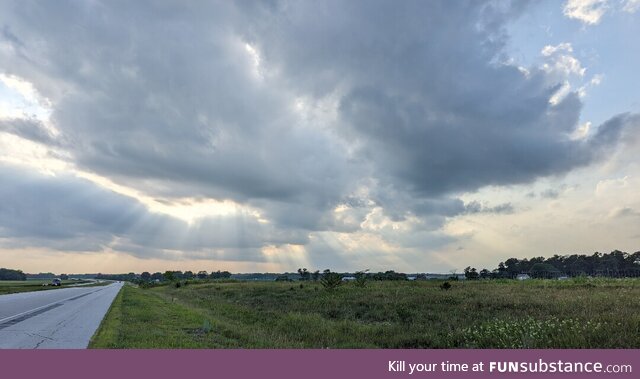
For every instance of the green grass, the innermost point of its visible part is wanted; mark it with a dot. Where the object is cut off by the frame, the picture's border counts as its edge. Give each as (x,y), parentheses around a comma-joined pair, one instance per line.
(15,286)
(141,319)
(485,314)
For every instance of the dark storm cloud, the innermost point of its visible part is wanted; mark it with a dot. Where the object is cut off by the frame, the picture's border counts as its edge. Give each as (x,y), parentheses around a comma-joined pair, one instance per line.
(61,209)
(31,129)
(68,213)
(167,97)
(424,95)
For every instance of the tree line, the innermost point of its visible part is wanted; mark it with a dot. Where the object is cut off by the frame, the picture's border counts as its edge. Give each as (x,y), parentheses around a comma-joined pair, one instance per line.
(9,274)
(165,276)
(616,264)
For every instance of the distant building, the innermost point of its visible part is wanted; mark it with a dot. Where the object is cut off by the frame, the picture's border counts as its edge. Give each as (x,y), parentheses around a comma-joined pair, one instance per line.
(523,277)
(348,278)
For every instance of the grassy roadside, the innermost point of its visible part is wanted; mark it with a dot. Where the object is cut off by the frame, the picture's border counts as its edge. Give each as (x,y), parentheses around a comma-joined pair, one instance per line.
(141,319)
(109,329)
(498,314)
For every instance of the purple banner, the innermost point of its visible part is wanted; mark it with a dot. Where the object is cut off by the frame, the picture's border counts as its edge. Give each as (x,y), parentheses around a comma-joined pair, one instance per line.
(311,364)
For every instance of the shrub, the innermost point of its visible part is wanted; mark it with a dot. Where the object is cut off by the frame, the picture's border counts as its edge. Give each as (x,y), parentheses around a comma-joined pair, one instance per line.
(405,314)
(206,326)
(361,278)
(331,280)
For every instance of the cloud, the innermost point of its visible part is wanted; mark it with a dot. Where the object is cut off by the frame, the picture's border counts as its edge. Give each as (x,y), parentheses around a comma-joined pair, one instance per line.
(587,11)
(319,115)
(69,213)
(560,60)
(631,6)
(476,207)
(550,193)
(28,128)
(624,212)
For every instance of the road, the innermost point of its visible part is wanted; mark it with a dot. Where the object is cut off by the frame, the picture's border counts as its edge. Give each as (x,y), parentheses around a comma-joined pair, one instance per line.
(55,319)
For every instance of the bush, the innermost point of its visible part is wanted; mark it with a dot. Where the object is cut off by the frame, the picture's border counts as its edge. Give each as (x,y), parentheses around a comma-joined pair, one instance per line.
(331,280)
(405,314)
(361,278)
(206,326)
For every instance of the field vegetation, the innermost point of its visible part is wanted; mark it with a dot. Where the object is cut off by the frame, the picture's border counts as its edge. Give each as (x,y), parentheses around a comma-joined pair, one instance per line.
(15,286)
(574,313)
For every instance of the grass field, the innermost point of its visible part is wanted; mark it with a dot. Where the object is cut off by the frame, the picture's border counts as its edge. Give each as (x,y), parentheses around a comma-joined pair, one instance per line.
(581,313)
(14,286)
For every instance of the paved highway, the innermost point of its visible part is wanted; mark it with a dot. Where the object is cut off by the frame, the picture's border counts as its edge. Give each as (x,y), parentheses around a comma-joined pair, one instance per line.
(54,319)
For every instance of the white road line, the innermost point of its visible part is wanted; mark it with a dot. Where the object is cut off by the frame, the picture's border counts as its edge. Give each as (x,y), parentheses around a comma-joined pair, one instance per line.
(44,306)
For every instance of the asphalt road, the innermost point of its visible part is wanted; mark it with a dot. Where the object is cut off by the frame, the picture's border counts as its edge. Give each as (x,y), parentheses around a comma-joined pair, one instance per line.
(54,319)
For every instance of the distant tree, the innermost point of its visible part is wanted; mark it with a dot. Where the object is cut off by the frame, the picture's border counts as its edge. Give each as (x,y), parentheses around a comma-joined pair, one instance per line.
(389,275)
(9,274)
(168,275)
(202,275)
(42,275)
(500,272)
(512,266)
(145,276)
(315,275)
(485,274)
(220,275)
(615,264)
(304,274)
(130,277)
(188,275)
(283,278)
(157,276)
(64,277)
(330,280)
(544,270)
(470,273)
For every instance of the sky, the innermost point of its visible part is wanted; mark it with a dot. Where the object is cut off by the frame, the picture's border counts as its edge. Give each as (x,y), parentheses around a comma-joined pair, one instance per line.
(416,136)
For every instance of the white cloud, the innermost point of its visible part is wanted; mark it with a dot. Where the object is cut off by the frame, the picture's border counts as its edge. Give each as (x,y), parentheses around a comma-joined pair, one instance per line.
(560,60)
(582,131)
(549,50)
(631,6)
(587,11)
(22,87)
(20,99)
(560,94)
(596,80)
(608,187)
